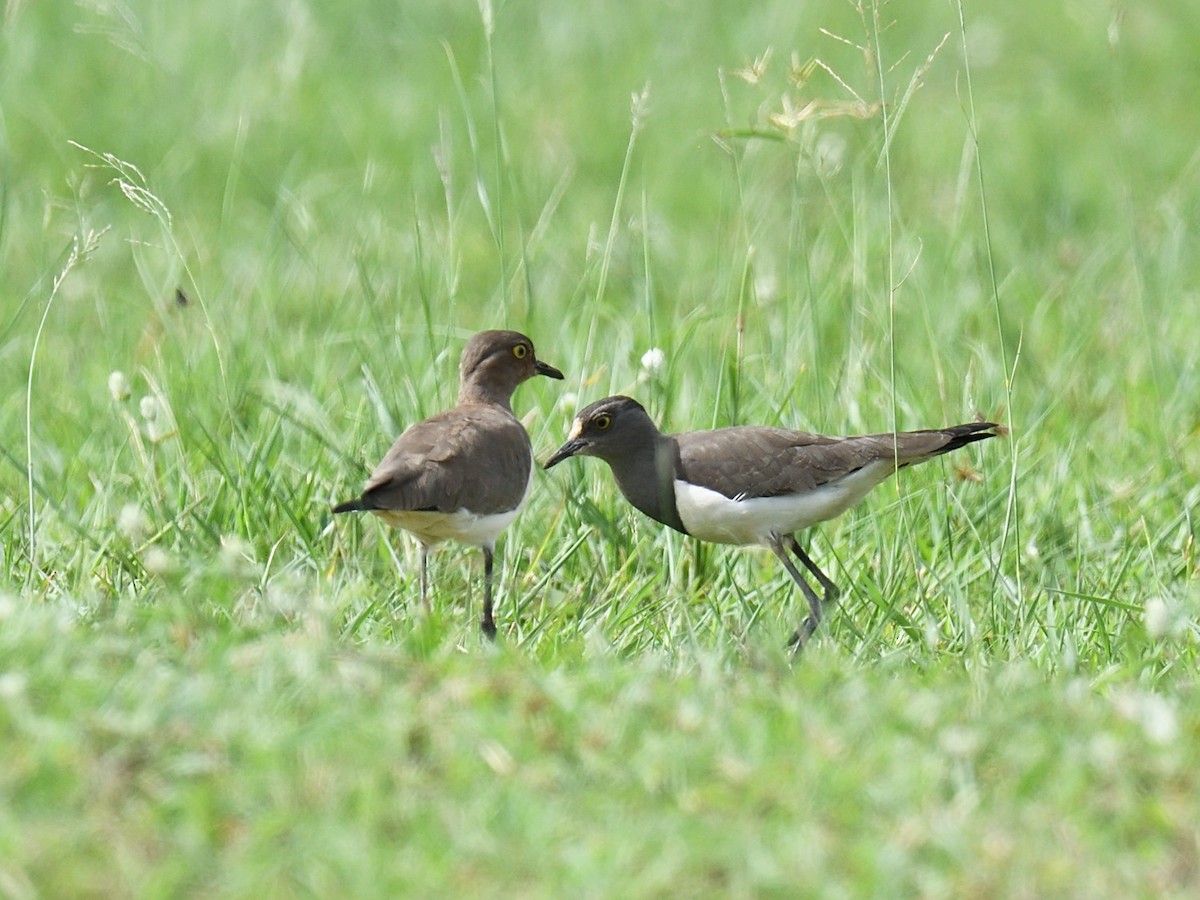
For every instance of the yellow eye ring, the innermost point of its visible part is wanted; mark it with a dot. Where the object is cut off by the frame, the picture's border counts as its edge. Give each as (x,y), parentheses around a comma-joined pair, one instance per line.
(520,351)
(602,421)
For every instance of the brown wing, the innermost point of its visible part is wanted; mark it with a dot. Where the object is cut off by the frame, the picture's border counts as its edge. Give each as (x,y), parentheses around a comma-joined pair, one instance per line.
(754,461)
(749,462)
(477,458)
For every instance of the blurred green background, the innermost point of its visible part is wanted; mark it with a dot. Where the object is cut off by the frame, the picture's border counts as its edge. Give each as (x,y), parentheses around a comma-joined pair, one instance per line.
(281,220)
(322,167)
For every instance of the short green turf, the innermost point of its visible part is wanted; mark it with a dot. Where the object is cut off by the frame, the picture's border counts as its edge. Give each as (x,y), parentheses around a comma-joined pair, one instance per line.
(241,247)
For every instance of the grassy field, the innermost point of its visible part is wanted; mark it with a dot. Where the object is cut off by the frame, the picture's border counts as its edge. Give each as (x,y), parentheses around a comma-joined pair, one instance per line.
(241,247)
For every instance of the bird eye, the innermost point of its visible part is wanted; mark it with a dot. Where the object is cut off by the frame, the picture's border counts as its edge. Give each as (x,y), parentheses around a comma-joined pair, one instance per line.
(602,421)
(520,351)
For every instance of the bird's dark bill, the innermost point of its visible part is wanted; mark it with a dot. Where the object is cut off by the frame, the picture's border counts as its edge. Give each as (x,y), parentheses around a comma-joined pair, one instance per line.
(548,370)
(569,449)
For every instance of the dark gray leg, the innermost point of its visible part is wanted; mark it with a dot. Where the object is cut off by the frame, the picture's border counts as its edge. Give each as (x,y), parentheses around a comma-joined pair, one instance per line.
(425,577)
(809,625)
(831,589)
(487,624)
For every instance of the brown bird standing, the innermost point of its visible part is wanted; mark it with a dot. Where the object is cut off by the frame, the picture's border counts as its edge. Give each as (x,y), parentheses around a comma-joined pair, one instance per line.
(463,474)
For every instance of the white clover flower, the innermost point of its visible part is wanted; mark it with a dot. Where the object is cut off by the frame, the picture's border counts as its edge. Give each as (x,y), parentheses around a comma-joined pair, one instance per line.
(283,599)
(653,360)
(158,561)
(158,424)
(1159,720)
(118,386)
(1159,617)
(568,401)
(133,522)
(1155,713)
(12,685)
(766,286)
(236,556)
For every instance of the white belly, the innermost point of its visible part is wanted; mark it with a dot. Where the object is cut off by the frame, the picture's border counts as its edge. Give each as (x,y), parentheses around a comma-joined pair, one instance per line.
(711,516)
(473,529)
(462,525)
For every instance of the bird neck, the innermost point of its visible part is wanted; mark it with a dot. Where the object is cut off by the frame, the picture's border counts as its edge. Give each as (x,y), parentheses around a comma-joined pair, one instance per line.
(489,394)
(645,472)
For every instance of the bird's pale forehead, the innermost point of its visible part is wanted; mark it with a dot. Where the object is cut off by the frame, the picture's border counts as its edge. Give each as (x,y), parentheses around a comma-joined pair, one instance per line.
(576,428)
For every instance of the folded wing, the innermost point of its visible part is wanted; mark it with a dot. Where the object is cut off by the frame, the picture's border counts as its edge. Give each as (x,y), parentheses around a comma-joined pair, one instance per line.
(479,457)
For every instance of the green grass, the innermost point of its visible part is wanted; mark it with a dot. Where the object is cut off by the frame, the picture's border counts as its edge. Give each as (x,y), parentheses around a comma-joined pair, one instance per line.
(208,687)
(235,763)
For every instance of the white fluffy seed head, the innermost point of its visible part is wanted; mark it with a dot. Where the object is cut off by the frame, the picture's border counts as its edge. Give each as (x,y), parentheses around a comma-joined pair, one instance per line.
(118,386)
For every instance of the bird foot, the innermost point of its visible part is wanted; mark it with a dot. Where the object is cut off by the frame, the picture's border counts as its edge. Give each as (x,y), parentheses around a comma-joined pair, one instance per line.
(801,635)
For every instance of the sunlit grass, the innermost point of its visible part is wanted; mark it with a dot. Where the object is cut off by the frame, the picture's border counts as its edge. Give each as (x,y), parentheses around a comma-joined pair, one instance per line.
(832,217)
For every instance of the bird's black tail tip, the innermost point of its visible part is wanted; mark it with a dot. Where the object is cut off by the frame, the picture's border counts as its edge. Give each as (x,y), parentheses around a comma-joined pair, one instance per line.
(961,435)
(354,505)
